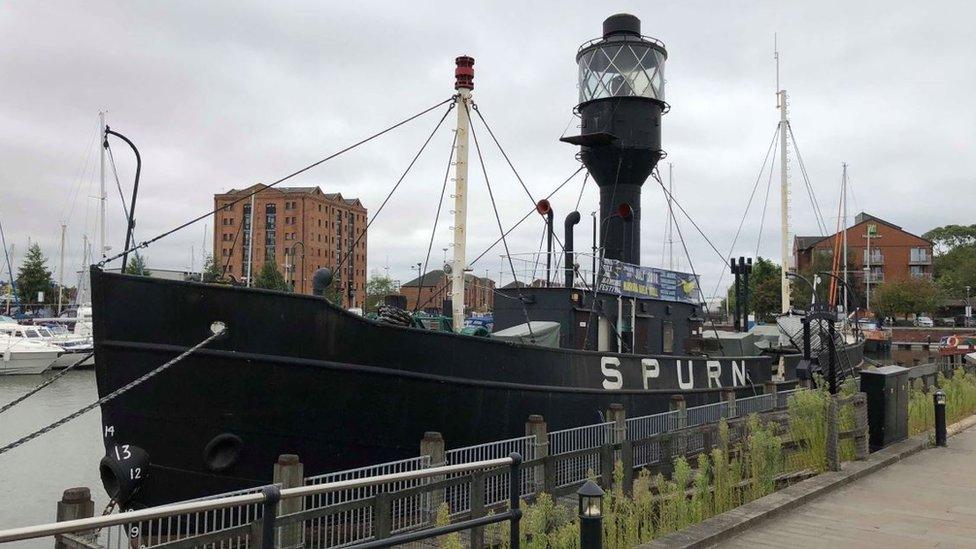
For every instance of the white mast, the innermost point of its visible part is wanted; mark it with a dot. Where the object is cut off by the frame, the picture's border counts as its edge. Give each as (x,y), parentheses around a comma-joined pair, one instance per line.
(784,190)
(670,220)
(843,194)
(464,83)
(61,270)
(102,195)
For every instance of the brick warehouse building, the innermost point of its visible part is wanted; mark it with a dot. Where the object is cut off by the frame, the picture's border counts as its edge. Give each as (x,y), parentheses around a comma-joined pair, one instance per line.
(479,293)
(286,219)
(895,253)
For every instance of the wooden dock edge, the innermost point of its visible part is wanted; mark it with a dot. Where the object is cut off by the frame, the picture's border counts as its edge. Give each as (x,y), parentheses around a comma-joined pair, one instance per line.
(719,528)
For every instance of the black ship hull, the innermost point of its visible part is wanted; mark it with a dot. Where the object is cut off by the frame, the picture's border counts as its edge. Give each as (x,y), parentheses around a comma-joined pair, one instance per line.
(295,374)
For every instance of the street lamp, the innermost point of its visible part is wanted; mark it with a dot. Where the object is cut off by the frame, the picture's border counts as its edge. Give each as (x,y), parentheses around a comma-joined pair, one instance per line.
(591,515)
(291,254)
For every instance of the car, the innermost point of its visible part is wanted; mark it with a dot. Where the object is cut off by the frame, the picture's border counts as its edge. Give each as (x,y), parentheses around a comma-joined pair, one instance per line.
(924,322)
(948,322)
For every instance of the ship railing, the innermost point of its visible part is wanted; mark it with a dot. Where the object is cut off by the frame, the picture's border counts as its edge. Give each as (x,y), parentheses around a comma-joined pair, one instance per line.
(268,527)
(341,526)
(458,497)
(530,270)
(578,468)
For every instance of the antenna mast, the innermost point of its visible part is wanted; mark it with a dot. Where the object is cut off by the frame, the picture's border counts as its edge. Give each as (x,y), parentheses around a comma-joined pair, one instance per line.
(464,83)
(784,128)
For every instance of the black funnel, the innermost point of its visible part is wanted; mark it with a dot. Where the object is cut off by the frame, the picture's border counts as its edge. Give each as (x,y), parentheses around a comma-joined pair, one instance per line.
(621,83)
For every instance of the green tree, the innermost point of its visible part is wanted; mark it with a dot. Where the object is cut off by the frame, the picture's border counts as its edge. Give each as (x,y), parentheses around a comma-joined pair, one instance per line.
(270,278)
(764,290)
(33,276)
(376,289)
(949,237)
(212,271)
(801,292)
(138,265)
(905,297)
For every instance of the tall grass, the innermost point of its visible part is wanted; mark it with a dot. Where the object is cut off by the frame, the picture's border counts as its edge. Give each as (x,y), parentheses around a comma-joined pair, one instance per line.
(960,390)
(726,477)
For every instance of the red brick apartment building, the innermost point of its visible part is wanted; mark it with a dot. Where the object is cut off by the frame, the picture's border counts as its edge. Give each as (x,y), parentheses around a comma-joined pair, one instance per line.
(479,293)
(286,220)
(895,253)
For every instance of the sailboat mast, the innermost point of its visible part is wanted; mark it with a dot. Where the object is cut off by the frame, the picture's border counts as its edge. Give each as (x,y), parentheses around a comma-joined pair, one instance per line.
(61,271)
(464,83)
(102,196)
(250,242)
(843,199)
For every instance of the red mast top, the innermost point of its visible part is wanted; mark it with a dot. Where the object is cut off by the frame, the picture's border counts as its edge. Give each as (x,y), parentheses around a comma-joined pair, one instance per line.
(464,73)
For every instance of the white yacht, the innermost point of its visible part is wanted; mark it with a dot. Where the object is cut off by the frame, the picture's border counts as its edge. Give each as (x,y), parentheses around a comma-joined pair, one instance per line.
(72,347)
(24,356)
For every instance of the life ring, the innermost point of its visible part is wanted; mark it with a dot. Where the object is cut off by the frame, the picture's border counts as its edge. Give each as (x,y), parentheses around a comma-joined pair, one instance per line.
(953,341)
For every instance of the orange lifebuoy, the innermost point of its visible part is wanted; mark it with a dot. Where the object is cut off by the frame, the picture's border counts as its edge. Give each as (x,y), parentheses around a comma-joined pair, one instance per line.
(953,341)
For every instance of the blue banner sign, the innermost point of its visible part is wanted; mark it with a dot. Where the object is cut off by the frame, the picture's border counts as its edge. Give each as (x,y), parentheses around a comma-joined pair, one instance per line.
(629,280)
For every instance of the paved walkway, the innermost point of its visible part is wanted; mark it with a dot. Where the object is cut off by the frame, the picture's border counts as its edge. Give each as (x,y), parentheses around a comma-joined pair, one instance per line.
(925,500)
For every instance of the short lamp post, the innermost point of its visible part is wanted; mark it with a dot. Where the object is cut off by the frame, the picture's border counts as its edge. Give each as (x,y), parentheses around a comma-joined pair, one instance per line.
(591,515)
(940,417)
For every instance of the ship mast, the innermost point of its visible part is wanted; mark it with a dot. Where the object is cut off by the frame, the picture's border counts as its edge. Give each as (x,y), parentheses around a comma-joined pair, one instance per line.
(464,83)
(102,196)
(784,189)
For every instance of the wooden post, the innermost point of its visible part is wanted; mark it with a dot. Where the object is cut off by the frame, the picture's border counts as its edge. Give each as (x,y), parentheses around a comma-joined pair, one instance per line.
(833,454)
(290,473)
(674,443)
(770,388)
(536,427)
(76,503)
(432,445)
(618,416)
(477,505)
(382,515)
(606,466)
(860,403)
(728,395)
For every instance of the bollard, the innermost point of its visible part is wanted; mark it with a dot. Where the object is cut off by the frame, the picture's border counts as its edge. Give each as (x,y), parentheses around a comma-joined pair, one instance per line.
(591,515)
(939,399)
(290,473)
(432,445)
(536,427)
(618,415)
(76,503)
(728,395)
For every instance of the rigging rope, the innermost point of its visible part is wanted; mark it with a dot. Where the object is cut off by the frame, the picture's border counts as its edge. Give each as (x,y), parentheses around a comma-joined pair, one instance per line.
(735,239)
(512,228)
(433,231)
(691,265)
(498,219)
(111,396)
(821,223)
(275,183)
(762,218)
(44,384)
(362,233)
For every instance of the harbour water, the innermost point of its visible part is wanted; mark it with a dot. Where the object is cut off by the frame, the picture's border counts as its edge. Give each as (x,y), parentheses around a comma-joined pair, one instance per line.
(33,476)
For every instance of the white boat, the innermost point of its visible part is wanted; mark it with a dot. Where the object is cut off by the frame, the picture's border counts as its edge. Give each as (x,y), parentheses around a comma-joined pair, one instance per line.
(22,356)
(73,347)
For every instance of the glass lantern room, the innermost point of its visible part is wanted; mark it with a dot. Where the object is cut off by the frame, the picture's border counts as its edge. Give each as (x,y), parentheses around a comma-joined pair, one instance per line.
(621,68)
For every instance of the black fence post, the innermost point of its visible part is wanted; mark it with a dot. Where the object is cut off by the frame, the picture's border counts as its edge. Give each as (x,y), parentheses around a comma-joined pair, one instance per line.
(477,505)
(515,494)
(269,515)
(939,399)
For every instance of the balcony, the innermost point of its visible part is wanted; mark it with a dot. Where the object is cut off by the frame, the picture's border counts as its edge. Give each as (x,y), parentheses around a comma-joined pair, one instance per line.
(925,274)
(920,259)
(875,259)
(872,278)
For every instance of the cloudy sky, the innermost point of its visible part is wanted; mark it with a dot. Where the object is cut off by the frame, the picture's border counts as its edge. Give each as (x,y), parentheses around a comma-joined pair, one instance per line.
(225,94)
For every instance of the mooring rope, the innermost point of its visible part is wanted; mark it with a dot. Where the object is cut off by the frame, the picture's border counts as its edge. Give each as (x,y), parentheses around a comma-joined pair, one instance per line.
(109,397)
(49,381)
